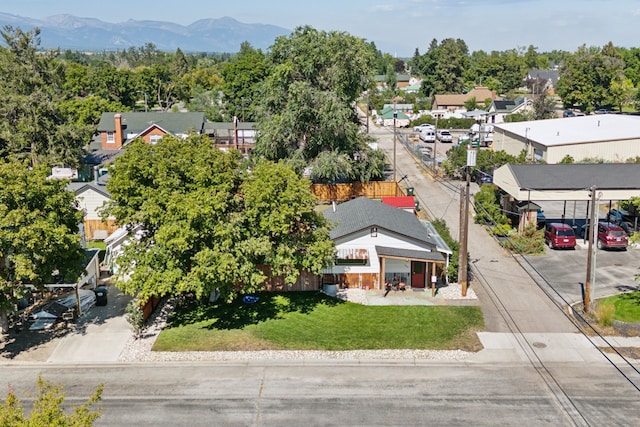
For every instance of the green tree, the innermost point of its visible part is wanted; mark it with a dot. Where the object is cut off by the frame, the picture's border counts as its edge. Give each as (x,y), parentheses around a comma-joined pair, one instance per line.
(544,107)
(331,167)
(206,230)
(307,101)
(31,124)
(242,76)
(38,233)
(443,67)
(48,408)
(591,78)
(471,103)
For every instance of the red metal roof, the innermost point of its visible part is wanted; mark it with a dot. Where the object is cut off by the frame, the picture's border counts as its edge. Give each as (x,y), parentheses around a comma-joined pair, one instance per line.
(402,202)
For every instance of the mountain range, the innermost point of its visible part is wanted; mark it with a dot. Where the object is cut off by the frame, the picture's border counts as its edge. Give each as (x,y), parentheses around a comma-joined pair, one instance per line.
(220,35)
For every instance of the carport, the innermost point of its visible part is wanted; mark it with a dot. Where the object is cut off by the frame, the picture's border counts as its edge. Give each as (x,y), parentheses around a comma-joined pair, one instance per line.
(567,182)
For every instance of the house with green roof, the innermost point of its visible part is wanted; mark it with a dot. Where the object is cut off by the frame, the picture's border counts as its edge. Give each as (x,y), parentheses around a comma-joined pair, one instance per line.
(118,129)
(377,243)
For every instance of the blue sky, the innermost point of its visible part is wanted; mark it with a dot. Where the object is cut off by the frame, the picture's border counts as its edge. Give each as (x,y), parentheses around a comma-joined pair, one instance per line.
(397,27)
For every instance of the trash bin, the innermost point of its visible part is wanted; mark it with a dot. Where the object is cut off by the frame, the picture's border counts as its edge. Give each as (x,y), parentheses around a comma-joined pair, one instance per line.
(101,295)
(409,191)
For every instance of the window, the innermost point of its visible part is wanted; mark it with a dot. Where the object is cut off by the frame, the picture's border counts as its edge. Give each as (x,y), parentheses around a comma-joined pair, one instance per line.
(374,231)
(154,139)
(111,137)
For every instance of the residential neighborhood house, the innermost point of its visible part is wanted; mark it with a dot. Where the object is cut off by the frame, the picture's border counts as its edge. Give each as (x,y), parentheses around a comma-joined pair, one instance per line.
(540,81)
(456,101)
(118,129)
(377,243)
(499,109)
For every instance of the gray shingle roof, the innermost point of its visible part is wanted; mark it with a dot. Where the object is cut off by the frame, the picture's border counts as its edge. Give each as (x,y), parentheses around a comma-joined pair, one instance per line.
(174,123)
(363,213)
(607,176)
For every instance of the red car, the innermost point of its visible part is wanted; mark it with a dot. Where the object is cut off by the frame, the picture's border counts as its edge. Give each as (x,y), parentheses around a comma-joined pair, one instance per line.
(611,236)
(558,235)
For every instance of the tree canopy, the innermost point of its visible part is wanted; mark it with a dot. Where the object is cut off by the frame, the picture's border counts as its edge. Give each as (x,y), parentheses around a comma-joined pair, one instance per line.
(592,78)
(32,124)
(38,233)
(211,223)
(307,100)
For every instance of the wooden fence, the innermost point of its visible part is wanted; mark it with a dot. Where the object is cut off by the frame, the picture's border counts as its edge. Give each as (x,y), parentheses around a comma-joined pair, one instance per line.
(342,192)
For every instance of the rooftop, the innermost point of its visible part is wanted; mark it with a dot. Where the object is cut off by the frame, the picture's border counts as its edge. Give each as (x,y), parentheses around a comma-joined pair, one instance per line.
(576,130)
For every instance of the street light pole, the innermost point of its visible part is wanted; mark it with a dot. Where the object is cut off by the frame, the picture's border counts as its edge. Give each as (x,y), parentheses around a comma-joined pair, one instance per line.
(395,170)
(593,224)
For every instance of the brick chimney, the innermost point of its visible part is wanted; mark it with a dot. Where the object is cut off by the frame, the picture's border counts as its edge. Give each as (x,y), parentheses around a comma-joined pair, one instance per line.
(118,136)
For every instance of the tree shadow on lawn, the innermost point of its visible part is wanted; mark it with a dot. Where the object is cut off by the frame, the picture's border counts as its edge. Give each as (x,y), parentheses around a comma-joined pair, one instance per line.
(237,314)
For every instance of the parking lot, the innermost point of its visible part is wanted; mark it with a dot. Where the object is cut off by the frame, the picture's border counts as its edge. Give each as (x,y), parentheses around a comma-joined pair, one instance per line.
(565,269)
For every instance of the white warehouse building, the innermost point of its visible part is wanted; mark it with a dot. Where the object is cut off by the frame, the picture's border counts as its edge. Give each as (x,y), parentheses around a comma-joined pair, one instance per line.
(606,137)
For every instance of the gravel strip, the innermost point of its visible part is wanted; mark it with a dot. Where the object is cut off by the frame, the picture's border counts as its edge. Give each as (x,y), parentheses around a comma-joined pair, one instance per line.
(139,350)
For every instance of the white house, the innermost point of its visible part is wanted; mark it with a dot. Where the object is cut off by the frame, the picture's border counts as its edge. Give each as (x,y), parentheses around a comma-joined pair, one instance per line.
(91,197)
(378,243)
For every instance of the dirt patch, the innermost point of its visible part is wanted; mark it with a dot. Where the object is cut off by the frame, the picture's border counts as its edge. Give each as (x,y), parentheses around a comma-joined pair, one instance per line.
(24,345)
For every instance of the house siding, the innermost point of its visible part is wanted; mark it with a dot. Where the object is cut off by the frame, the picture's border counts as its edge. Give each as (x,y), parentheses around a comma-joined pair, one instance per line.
(369,275)
(91,203)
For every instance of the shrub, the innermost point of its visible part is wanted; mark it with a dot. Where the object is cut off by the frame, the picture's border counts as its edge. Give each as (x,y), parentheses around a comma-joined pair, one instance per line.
(530,242)
(443,230)
(604,314)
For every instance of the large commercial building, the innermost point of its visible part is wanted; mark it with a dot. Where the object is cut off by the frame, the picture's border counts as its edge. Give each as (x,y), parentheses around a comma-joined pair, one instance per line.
(600,138)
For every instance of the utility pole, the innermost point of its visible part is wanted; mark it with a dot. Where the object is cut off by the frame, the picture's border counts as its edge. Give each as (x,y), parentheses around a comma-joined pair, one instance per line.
(591,262)
(435,147)
(464,224)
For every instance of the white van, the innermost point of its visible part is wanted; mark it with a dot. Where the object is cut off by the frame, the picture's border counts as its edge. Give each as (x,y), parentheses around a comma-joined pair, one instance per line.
(428,135)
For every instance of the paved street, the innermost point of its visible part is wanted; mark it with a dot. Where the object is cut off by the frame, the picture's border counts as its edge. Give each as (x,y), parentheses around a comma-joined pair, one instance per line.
(348,393)
(535,368)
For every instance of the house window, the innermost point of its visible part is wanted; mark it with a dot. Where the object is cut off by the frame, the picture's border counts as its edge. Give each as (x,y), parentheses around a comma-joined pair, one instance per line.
(154,139)
(374,231)
(111,137)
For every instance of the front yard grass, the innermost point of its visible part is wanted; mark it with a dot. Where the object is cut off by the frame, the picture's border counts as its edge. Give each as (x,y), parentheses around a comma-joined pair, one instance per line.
(627,306)
(314,321)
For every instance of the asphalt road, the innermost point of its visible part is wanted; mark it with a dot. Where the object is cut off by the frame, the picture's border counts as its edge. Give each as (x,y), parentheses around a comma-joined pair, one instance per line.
(335,394)
(544,381)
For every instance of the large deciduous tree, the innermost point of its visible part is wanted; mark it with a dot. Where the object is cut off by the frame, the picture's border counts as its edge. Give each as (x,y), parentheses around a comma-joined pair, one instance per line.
(31,123)
(307,102)
(210,223)
(38,233)
(242,76)
(443,67)
(592,78)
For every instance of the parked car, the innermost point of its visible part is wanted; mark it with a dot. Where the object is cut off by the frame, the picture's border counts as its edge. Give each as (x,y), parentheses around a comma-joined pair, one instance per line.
(601,111)
(558,235)
(469,139)
(610,236)
(428,135)
(419,127)
(482,177)
(444,136)
(618,215)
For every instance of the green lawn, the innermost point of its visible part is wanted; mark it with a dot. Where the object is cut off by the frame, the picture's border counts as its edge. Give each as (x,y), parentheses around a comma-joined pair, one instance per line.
(313,321)
(627,306)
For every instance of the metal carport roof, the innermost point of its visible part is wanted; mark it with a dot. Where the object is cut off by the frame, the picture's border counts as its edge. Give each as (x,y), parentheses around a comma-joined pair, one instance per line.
(616,181)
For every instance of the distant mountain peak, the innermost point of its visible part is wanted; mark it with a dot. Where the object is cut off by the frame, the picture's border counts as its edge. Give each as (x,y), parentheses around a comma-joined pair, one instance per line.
(224,34)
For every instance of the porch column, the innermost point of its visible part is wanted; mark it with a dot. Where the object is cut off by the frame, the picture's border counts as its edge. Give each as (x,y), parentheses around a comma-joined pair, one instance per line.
(383,268)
